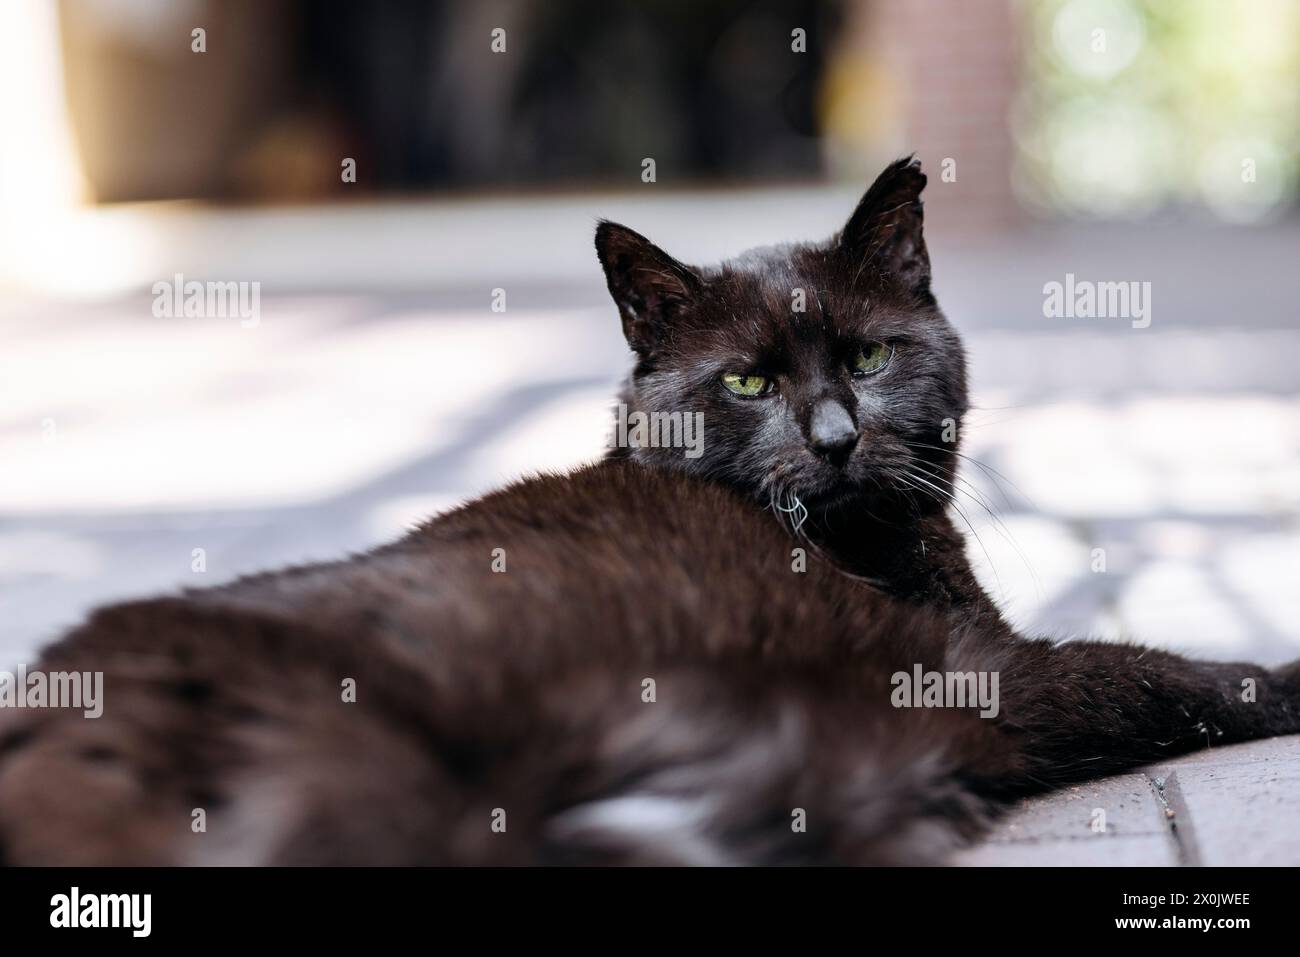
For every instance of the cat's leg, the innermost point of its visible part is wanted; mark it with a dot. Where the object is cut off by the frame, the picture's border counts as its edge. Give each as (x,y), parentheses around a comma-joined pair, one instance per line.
(1081,709)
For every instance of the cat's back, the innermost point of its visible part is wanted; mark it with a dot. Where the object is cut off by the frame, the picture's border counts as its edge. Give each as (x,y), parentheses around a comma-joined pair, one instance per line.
(377,693)
(612,556)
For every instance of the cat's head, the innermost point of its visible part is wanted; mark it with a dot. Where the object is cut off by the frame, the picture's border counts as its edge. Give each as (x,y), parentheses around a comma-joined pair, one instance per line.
(823,373)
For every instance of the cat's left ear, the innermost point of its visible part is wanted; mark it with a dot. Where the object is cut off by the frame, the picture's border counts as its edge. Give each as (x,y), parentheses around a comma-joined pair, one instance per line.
(885,230)
(649,286)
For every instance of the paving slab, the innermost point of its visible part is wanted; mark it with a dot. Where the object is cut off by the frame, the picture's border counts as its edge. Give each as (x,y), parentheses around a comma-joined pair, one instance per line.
(1122,805)
(1117,820)
(1147,850)
(1237,805)
(1224,806)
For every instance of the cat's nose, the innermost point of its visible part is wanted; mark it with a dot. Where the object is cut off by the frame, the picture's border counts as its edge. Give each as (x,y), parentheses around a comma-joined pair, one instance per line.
(831,431)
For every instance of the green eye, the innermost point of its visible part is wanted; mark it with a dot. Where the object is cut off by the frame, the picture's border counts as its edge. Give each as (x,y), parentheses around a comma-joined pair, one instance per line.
(874,357)
(747,385)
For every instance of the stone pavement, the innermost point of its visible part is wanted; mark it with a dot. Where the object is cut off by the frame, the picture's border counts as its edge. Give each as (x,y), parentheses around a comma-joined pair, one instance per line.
(1130,482)
(1224,806)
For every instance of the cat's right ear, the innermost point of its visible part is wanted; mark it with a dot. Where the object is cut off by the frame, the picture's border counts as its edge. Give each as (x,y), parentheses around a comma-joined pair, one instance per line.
(649,286)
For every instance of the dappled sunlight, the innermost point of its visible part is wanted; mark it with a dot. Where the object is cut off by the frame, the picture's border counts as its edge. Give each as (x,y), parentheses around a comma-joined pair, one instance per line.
(1142,517)
(165,414)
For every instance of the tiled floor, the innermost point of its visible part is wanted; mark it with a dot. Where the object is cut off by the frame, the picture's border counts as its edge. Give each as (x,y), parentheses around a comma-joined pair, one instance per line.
(1121,520)
(345,418)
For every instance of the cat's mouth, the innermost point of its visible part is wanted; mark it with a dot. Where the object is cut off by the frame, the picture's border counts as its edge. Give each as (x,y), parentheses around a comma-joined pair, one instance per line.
(842,496)
(834,497)
(818,487)
(825,490)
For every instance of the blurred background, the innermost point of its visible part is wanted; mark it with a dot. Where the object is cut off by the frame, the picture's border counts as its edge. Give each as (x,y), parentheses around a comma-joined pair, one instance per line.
(413,187)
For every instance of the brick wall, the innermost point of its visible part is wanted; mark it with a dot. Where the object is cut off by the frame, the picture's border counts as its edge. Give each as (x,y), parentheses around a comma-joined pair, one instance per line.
(955,69)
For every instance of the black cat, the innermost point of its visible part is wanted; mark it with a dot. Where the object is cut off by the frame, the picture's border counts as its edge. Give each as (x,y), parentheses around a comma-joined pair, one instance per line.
(764,648)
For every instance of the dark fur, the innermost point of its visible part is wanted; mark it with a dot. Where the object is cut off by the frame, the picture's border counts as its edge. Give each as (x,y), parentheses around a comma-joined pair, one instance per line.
(523,691)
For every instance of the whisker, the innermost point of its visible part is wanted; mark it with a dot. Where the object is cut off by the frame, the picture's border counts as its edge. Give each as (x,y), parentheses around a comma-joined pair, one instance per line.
(998,525)
(942,497)
(995,477)
(797,509)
